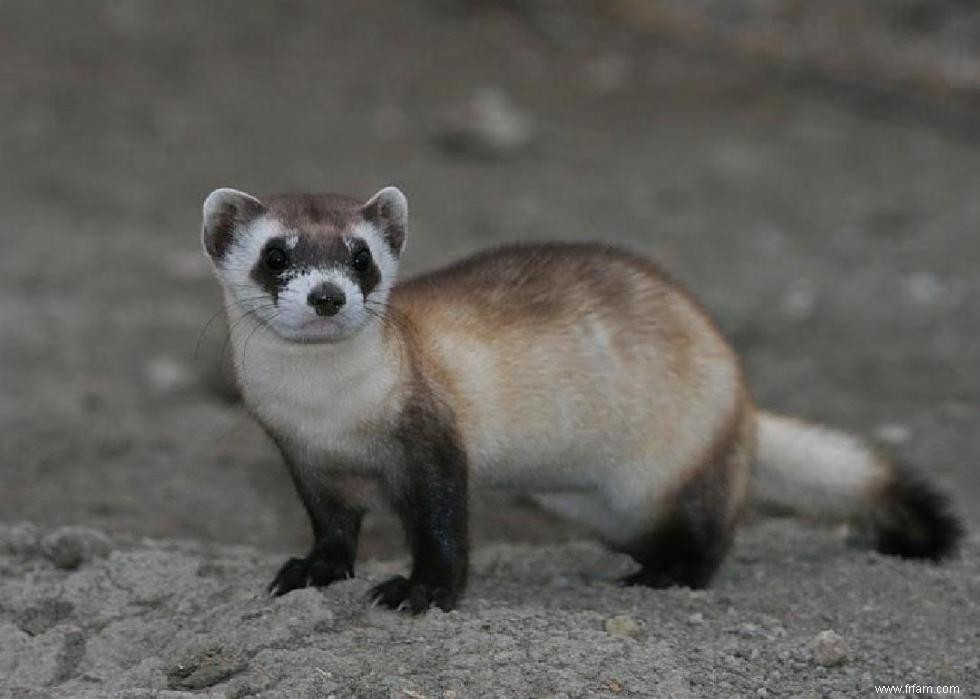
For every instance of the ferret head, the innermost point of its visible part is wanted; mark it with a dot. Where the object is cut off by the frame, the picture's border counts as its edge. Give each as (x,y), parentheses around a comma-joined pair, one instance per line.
(313,268)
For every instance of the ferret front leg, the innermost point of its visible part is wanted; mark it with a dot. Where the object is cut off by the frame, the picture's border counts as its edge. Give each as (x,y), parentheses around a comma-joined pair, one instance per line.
(431,500)
(336,520)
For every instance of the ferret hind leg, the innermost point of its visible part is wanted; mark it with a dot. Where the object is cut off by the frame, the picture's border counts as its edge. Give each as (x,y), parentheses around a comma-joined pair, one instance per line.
(693,525)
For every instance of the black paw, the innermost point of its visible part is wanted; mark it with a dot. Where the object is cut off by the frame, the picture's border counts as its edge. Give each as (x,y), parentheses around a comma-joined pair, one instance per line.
(403,594)
(303,572)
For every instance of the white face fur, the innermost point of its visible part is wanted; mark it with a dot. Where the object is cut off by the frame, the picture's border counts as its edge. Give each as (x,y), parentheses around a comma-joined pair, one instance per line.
(311,268)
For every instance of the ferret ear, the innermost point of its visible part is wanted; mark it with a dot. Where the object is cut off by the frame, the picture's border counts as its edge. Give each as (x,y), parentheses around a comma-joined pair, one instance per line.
(225,211)
(388,210)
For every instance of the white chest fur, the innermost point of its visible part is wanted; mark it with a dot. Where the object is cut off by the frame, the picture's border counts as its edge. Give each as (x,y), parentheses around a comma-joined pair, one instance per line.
(328,405)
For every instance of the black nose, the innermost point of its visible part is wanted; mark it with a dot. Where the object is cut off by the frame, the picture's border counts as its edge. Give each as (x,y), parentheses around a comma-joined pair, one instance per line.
(327,299)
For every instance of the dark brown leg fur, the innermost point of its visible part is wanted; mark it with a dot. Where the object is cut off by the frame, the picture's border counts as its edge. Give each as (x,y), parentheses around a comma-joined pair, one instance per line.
(687,543)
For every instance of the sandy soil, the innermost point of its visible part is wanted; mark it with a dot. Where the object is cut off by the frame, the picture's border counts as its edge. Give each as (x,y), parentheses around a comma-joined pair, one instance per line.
(836,241)
(539,621)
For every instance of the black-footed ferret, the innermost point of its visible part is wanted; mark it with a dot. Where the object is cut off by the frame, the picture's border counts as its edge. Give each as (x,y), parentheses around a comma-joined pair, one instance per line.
(577,373)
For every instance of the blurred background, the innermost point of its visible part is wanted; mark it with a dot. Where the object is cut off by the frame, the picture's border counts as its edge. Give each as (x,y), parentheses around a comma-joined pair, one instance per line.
(811,170)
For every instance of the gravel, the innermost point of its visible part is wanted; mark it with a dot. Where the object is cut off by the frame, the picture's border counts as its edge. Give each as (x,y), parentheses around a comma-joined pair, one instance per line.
(166,615)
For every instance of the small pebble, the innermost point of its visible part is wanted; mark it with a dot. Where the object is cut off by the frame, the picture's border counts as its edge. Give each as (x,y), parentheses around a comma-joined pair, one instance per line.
(925,290)
(616,687)
(489,125)
(892,433)
(209,668)
(800,300)
(166,375)
(829,649)
(70,547)
(622,625)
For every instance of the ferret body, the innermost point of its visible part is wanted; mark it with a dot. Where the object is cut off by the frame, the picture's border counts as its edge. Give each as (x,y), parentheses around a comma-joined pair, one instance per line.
(577,373)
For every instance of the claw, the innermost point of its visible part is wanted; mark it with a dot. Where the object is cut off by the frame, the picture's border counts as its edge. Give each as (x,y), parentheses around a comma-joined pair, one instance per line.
(403,595)
(297,573)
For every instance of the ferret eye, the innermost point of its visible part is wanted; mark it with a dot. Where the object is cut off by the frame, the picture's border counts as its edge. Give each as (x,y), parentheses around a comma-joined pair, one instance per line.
(362,260)
(275,259)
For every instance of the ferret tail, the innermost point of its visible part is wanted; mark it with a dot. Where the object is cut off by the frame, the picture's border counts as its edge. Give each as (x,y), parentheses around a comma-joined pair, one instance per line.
(811,471)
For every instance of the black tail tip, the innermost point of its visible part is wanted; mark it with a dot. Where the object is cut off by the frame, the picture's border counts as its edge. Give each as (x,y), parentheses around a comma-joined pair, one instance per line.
(914,520)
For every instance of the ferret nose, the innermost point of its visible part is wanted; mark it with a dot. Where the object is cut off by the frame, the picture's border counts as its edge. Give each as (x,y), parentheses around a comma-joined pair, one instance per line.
(326,299)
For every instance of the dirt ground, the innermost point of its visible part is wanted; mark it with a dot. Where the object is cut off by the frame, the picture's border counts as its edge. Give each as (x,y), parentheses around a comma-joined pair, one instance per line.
(835,236)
